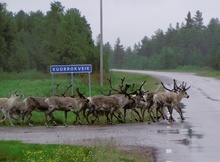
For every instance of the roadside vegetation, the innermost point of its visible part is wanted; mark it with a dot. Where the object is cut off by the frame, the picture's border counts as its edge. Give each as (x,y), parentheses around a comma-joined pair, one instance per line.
(201,71)
(19,152)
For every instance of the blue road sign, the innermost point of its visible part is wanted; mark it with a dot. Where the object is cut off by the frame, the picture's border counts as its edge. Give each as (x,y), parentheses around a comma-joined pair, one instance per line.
(84,68)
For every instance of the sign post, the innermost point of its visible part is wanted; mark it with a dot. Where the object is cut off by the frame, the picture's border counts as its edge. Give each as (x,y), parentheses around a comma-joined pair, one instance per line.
(70,69)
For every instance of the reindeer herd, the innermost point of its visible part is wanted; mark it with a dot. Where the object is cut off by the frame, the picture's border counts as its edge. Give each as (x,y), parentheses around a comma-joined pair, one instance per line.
(111,105)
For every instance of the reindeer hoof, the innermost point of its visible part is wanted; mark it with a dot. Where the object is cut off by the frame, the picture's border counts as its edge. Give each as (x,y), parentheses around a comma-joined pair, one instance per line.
(80,122)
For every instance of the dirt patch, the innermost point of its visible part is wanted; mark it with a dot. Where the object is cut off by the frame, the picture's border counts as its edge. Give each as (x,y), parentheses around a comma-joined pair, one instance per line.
(139,153)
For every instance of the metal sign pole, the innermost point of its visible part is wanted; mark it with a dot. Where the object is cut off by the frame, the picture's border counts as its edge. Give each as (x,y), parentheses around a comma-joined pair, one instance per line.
(52,85)
(72,83)
(89,86)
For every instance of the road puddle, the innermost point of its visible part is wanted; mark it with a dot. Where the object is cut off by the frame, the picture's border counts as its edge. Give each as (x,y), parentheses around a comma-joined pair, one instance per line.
(190,135)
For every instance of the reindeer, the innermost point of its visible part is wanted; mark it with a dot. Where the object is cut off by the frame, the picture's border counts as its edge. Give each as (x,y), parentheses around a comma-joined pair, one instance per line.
(17,111)
(6,104)
(66,104)
(171,99)
(138,99)
(104,105)
(110,103)
(38,104)
(133,99)
(149,104)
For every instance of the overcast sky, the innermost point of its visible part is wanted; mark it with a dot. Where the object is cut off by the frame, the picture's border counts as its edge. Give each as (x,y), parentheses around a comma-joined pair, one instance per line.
(130,20)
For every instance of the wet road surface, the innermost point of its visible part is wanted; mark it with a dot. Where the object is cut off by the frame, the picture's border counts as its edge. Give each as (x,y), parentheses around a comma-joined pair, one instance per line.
(194,140)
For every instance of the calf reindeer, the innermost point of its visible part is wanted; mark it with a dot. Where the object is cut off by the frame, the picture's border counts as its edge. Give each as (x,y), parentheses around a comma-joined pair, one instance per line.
(17,111)
(6,104)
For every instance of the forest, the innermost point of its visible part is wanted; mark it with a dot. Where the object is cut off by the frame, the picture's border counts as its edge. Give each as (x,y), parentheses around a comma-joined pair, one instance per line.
(36,40)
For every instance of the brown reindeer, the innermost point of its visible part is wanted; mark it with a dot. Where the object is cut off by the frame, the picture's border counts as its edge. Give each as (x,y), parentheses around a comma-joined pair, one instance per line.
(66,104)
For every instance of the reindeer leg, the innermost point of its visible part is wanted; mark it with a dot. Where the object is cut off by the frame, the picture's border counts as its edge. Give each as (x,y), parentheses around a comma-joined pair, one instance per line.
(46,121)
(118,118)
(9,117)
(87,117)
(28,116)
(75,120)
(107,118)
(3,119)
(111,116)
(84,114)
(52,119)
(137,114)
(161,111)
(77,116)
(131,115)
(170,109)
(125,115)
(95,115)
(142,113)
(150,112)
(157,109)
(178,109)
(171,115)
(65,114)
(4,116)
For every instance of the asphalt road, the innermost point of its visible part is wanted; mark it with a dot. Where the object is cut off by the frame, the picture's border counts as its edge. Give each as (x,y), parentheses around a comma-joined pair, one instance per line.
(194,140)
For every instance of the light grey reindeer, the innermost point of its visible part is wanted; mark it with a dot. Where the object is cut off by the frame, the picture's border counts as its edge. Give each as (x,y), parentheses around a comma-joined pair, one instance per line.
(171,99)
(6,104)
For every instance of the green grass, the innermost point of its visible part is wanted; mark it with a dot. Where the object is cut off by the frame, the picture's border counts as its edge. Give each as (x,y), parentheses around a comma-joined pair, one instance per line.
(19,152)
(201,71)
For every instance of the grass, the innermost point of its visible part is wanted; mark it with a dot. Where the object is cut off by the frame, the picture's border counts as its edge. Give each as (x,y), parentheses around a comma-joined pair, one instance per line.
(18,152)
(201,71)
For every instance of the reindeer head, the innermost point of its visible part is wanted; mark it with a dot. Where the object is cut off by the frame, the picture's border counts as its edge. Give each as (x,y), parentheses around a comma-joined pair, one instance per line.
(16,95)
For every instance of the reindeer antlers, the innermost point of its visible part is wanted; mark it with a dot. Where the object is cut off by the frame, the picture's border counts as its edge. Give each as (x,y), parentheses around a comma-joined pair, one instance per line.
(79,93)
(183,85)
(176,88)
(67,88)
